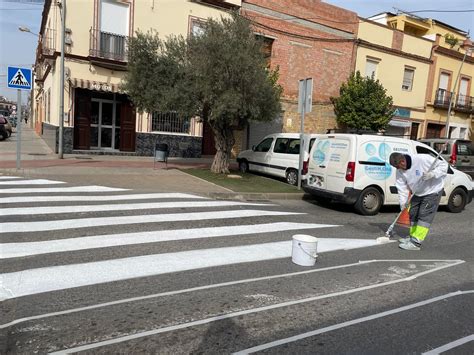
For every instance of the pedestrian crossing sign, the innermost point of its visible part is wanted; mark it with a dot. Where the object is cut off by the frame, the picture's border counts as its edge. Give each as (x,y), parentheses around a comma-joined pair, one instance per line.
(19,78)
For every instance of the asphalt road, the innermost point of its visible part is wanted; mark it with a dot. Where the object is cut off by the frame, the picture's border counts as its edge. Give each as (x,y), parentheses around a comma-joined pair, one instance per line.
(175,275)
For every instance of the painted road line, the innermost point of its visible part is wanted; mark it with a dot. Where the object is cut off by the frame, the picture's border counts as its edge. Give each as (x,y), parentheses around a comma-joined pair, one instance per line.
(32,182)
(177,292)
(120,220)
(71,198)
(92,188)
(15,250)
(53,278)
(349,323)
(232,315)
(10,177)
(36,211)
(451,345)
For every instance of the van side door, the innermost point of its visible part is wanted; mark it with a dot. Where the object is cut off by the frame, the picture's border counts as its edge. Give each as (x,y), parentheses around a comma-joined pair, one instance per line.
(260,155)
(285,155)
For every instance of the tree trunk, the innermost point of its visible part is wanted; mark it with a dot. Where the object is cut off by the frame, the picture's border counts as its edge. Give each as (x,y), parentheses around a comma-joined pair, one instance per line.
(224,140)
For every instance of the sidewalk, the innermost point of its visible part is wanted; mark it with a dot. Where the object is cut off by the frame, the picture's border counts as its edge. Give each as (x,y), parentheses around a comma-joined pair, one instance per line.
(37,160)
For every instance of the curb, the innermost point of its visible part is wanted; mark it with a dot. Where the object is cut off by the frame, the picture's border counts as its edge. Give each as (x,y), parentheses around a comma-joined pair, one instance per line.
(256,196)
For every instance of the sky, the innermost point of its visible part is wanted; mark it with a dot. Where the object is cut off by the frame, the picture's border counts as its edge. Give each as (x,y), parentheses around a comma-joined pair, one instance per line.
(18,48)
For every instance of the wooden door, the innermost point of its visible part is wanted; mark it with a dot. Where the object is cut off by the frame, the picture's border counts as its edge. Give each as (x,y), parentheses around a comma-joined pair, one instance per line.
(127,127)
(208,144)
(82,119)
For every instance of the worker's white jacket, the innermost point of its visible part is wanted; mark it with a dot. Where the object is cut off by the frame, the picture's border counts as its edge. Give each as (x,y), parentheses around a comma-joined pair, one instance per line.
(410,180)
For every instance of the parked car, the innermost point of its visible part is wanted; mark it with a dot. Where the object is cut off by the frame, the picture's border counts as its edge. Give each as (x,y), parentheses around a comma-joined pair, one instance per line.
(8,127)
(3,131)
(355,169)
(278,155)
(459,153)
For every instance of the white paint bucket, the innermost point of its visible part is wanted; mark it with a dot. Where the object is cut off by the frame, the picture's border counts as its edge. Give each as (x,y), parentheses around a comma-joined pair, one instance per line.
(305,249)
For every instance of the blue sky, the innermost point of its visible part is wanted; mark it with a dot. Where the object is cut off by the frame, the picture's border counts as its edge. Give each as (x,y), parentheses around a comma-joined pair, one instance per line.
(18,48)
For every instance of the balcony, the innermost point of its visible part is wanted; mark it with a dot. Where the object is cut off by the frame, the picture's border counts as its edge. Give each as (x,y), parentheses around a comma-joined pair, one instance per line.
(461,103)
(109,50)
(465,103)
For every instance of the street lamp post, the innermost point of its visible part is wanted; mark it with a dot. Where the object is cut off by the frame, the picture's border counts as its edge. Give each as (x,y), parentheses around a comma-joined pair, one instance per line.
(467,45)
(61,86)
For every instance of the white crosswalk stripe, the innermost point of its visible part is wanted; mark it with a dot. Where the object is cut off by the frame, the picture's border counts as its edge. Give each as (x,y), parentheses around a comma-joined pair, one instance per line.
(32,182)
(120,207)
(71,198)
(92,188)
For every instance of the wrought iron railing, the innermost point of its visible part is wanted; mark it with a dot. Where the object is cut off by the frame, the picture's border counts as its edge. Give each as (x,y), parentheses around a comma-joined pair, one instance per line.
(170,122)
(460,102)
(465,103)
(108,46)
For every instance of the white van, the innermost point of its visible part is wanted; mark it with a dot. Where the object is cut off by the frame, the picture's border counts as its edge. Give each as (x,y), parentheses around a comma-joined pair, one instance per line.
(354,169)
(278,155)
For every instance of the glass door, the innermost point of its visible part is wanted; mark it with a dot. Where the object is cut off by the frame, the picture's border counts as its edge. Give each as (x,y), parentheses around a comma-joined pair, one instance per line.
(104,124)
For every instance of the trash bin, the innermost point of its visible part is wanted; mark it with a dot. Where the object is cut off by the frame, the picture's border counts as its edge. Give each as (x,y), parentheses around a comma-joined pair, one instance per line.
(161,153)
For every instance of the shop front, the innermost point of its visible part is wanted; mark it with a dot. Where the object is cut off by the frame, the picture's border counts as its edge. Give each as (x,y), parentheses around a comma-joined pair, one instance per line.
(103,121)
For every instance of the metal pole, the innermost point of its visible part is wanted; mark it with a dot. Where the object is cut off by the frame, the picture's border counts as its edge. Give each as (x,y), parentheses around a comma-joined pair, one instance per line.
(452,94)
(300,165)
(32,97)
(18,130)
(61,86)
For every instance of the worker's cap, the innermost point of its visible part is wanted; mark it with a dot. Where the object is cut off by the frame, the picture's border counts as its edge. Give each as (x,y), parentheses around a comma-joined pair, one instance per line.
(396,159)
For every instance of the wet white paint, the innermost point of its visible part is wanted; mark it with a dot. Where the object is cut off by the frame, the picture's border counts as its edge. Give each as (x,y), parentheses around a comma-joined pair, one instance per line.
(92,188)
(263,309)
(120,220)
(9,177)
(36,211)
(32,182)
(25,282)
(14,250)
(73,198)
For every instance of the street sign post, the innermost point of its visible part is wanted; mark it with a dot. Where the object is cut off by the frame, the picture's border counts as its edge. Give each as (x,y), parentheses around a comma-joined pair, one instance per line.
(305,100)
(19,79)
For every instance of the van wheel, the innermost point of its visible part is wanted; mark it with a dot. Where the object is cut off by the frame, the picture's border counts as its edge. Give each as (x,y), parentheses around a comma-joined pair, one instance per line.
(292,177)
(244,166)
(457,200)
(369,202)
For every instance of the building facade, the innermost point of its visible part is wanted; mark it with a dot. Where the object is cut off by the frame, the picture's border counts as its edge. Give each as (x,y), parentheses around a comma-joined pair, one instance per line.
(98,116)
(401,62)
(450,76)
(304,39)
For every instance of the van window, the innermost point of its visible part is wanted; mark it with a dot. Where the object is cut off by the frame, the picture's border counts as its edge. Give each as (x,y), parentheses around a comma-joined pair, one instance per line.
(465,148)
(280,145)
(287,146)
(264,146)
(424,150)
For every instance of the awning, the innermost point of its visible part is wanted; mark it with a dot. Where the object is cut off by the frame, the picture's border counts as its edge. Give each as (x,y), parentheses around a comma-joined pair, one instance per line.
(397,123)
(94,85)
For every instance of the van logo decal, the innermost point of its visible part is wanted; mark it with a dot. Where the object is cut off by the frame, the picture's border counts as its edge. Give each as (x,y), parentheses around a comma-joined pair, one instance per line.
(380,155)
(321,151)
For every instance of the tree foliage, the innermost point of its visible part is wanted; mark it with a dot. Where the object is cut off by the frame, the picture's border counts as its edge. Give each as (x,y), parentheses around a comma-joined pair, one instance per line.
(219,75)
(363,104)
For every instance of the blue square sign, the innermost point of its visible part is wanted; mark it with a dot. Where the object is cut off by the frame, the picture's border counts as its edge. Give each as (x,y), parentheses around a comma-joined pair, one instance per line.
(19,78)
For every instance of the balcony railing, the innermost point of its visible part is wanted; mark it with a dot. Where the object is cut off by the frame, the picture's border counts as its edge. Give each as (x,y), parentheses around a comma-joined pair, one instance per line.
(465,103)
(109,46)
(462,103)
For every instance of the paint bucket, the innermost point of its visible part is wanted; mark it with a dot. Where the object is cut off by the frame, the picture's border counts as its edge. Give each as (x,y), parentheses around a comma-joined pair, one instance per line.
(305,249)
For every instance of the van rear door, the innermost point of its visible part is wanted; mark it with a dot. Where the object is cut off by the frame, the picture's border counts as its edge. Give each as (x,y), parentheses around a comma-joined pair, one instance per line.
(329,159)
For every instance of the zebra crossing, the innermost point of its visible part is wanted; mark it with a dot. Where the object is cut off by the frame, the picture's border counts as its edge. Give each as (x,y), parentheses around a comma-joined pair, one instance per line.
(125,237)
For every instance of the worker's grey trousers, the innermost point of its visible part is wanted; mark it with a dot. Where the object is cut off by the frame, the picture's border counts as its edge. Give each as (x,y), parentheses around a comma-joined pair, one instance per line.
(422,212)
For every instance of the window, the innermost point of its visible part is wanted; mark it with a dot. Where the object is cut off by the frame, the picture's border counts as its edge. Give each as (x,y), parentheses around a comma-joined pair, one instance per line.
(287,146)
(408,79)
(197,27)
(114,29)
(264,146)
(169,122)
(371,68)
